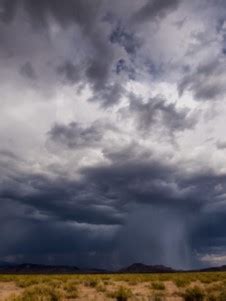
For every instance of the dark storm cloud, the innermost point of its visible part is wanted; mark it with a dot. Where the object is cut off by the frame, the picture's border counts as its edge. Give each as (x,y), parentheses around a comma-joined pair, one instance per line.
(66,220)
(206,81)
(98,61)
(28,71)
(208,237)
(100,58)
(7,10)
(151,228)
(56,242)
(103,191)
(122,67)
(61,199)
(75,136)
(109,96)
(137,177)
(79,136)
(64,13)
(125,39)
(98,65)
(208,186)
(157,114)
(164,192)
(64,213)
(142,182)
(155,9)
(105,195)
(70,72)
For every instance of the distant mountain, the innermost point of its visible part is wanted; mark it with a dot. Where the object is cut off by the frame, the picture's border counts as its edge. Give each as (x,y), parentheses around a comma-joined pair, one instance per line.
(95,271)
(214,269)
(143,268)
(29,268)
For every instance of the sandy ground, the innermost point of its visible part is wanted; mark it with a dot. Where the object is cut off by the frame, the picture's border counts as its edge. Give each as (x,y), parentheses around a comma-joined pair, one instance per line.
(8,289)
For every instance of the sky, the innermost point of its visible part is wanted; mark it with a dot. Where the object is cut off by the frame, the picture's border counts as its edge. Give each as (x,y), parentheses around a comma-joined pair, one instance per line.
(112,132)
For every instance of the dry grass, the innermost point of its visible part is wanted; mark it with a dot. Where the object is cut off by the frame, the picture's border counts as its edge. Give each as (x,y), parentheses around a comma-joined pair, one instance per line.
(143,287)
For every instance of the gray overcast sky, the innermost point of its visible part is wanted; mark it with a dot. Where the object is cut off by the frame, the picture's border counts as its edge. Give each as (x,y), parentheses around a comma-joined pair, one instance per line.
(112,132)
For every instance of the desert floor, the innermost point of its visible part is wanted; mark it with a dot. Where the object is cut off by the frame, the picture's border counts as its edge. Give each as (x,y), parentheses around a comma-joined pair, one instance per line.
(121,287)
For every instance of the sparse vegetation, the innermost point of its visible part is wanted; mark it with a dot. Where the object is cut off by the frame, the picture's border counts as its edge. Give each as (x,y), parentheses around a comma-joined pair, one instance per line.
(100,287)
(122,294)
(194,294)
(222,296)
(180,282)
(70,289)
(38,293)
(120,287)
(157,297)
(91,282)
(158,286)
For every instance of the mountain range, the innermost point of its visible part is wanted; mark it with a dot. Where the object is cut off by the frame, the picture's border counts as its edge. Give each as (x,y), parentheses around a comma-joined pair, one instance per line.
(29,268)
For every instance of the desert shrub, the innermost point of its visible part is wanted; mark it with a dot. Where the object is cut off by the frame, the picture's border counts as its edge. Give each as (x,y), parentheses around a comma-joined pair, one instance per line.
(55,283)
(7,278)
(122,294)
(91,283)
(215,287)
(194,294)
(158,286)
(70,289)
(181,282)
(100,287)
(211,297)
(206,280)
(106,282)
(132,282)
(26,282)
(105,277)
(69,285)
(157,297)
(39,293)
(222,296)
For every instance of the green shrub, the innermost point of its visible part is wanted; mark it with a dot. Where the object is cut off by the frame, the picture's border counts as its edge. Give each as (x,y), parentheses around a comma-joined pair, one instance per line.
(106,282)
(100,287)
(222,296)
(70,289)
(181,282)
(215,287)
(158,286)
(26,282)
(194,294)
(122,294)
(54,283)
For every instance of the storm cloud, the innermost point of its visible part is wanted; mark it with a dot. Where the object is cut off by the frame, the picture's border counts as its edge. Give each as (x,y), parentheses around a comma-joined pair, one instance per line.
(112,129)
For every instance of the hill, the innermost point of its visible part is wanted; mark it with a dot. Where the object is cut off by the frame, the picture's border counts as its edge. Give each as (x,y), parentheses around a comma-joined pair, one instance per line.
(143,268)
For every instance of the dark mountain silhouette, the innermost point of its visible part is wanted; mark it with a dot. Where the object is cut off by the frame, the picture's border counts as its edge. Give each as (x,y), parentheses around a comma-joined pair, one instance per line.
(143,268)
(215,269)
(29,268)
